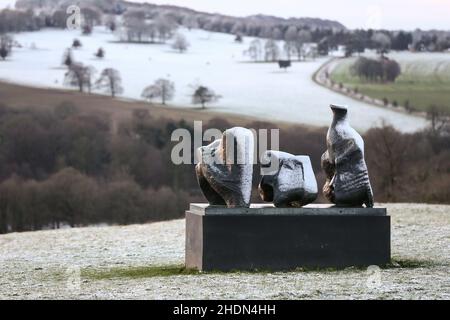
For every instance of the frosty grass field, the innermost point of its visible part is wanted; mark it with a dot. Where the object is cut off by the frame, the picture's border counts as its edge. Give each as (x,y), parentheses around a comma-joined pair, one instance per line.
(256,89)
(145,262)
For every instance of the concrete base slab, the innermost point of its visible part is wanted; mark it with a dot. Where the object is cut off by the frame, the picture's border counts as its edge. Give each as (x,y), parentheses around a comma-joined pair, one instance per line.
(267,238)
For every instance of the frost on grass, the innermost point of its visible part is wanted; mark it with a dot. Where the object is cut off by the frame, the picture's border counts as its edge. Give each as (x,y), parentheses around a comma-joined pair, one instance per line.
(145,262)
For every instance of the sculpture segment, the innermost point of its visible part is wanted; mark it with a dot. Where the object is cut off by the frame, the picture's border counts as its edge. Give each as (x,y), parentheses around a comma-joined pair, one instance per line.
(347,181)
(225,169)
(291,184)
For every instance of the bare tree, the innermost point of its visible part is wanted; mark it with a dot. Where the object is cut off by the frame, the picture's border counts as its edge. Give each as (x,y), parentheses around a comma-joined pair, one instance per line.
(89,77)
(79,76)
(439,120)
(6,43)
(266,32)
(161,88)
(137,28)
(135,25)
(67,59)
(180,43)
(277,34)
(111,23)
(272,52)
(165,27)
(290,36)
(254,51)
(387,153)
(91,17)
(238,28)
(59,19)
(382,42)
(303,37)
(190,22)
(203,95)
(75,76)
(111,81)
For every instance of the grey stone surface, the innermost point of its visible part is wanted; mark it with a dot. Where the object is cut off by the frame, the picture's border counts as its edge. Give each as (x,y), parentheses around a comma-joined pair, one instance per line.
(288,180)
(225,170)
(285,238)
(347,182)
(269,209)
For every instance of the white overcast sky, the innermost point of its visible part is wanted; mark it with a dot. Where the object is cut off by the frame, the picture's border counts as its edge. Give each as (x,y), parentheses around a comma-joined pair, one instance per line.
(388,14)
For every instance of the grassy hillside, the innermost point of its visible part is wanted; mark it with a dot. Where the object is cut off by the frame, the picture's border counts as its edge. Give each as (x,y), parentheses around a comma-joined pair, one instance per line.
(21,97)
(425,81)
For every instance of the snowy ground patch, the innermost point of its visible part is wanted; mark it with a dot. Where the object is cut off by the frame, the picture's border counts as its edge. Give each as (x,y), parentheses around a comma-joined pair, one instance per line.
(260,90)
(75,263)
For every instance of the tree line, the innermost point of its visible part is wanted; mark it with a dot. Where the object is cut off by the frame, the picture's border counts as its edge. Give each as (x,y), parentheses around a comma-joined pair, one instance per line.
(65,166)
(70,198)
(297,47)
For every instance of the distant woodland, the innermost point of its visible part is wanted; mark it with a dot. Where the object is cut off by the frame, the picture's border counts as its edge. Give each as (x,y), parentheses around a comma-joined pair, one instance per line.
(62,167)
(157,23)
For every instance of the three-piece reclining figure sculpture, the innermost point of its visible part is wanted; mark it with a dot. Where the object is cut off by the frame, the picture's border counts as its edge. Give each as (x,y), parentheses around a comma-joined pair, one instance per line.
(225,170)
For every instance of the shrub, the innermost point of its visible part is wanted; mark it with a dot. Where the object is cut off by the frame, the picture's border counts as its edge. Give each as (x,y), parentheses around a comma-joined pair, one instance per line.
(76,44)
(87,29)
(391,70)
(374,70)
(100,53)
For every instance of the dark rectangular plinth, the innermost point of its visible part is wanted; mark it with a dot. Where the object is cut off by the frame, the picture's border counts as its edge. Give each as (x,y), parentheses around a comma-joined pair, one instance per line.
(268,238)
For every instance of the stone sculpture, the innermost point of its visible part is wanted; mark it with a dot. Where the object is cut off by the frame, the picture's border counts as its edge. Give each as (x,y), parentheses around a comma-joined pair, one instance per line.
(225,168)
(290,183)
(347,181)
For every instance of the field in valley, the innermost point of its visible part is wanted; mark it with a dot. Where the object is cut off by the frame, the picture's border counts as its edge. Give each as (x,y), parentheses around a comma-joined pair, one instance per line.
(145,262)
(424,81)
(258,90)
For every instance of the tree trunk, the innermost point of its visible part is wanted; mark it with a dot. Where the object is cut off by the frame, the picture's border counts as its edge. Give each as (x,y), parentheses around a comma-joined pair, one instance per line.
(3,222)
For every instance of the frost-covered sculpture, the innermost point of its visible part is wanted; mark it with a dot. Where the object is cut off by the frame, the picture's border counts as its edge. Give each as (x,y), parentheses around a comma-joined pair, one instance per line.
(288,180)
(347,181)
(225,168)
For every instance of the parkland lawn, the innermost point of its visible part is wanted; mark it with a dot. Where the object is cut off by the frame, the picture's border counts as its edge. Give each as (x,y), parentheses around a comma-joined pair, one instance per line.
(424,81)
